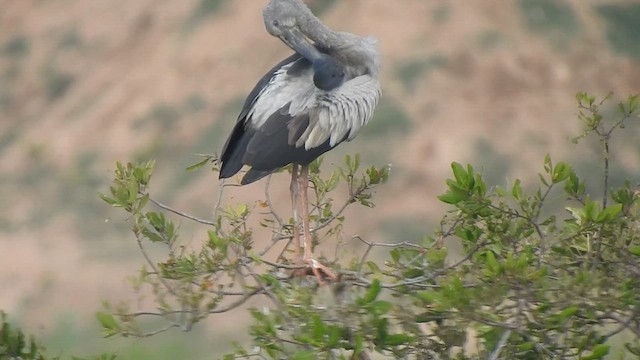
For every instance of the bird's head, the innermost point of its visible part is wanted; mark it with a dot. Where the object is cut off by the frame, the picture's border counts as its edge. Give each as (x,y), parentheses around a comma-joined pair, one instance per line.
(286,19)
(284,15)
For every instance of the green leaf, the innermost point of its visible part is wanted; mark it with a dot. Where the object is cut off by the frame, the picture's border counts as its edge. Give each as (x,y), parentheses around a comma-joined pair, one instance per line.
(109,323)
(577,214)
(591,210)
(492,264)
(412,273)
(359,344)
(109,200)
(570,311)
(318,329)
(374,268)
(516,191)
(380,307)
(560,172)
(395,255)
(335,334)
(599,351)
(609,213)
(470,233)
(152,236)
(198,165)
(548,165)
(142,202)
(427,296)
(398,339)
(132,191)
(522,261)
(371,294)
(454,196)
(633,103)
(304,355)
(459,173)
(635,250)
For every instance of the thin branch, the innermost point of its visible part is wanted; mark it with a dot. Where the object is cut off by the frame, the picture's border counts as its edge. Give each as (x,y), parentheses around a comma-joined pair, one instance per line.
(218,310)
(404,244)
(366,253)
(420,281)
(216,207)
(180,213)
(283,266)
(267,292)
(503,341)
(267,197)
(533,222)
(625,323)
(154,267)
(158,331)
(461,261)
(284,249)
(236,303)
(371,245)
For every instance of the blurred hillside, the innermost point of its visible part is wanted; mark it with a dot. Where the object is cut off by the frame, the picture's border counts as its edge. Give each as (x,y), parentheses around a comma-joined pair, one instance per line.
(85,83)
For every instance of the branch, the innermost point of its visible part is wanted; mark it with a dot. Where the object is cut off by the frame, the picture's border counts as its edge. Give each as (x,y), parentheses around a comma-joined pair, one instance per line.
(267,197)
(161,330)
(624,323)
(153,266)
(236,303)
(503,341)
(180,213)
(419,281)
(216,208)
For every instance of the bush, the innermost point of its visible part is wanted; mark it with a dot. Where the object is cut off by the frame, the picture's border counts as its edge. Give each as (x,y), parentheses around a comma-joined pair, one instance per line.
(534,282)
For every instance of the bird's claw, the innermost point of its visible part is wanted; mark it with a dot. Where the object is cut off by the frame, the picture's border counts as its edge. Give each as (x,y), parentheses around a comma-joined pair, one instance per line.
(318,270)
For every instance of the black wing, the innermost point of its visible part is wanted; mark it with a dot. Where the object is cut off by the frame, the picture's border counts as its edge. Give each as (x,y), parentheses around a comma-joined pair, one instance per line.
(236,144)
(272,145)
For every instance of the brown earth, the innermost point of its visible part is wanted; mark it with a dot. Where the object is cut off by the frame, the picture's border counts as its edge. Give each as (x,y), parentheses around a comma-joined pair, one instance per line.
(102,81)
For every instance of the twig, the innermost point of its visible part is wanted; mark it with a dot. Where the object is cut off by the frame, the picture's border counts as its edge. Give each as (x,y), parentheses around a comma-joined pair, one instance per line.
(180,213)
(267,197)
(281,255)
(503,340)
(236,303)
(419,281)
(396,245)
(218,310)
(624,323)
(371,245)
(216,208)
(154,267)
(158,331)
(283,266)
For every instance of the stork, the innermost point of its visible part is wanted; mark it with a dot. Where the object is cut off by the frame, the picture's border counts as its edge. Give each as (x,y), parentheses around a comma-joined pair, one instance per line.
(306,105)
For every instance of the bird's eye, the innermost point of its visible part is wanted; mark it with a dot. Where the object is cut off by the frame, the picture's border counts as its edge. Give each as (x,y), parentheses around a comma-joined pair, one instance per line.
(275,23)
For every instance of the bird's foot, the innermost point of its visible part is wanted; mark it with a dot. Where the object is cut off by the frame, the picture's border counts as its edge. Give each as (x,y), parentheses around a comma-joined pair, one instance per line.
(320,271)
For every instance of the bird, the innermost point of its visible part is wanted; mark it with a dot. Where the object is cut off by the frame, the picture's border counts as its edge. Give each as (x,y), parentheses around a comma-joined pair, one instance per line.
(306,105)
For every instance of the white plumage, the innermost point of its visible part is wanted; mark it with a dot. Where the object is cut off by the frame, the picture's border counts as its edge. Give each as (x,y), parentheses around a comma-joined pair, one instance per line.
(333,114)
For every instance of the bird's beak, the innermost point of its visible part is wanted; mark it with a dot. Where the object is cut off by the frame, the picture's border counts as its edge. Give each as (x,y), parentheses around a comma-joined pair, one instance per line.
(295,39)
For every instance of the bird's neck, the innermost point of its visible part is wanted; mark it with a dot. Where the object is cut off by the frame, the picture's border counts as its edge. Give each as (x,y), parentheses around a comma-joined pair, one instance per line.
(315,30)
(343,46)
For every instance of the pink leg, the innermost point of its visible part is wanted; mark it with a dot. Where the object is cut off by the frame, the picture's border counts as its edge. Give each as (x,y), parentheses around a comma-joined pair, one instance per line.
(295,194)
(316,266)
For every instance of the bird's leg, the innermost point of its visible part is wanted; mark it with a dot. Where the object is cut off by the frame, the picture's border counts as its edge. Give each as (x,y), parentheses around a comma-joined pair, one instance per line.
(316,266)
(295,196)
